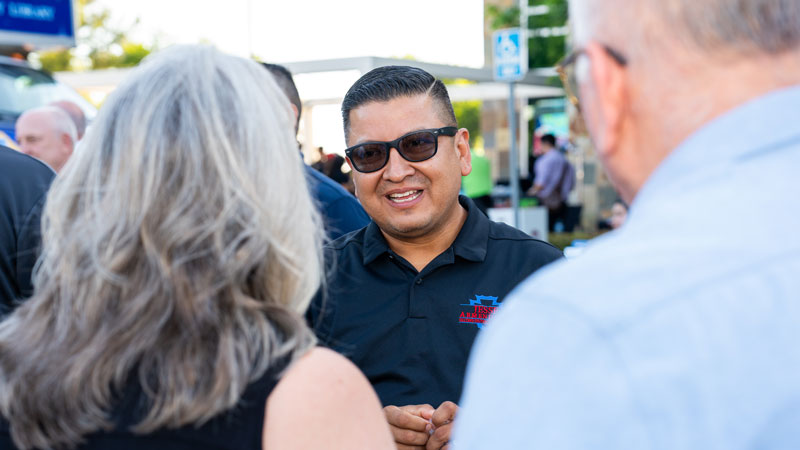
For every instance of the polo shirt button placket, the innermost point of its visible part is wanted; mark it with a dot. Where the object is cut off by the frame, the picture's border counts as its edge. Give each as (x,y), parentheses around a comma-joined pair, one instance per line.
(419,281)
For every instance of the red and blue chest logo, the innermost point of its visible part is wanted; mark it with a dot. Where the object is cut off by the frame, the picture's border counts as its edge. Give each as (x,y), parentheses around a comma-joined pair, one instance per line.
(479,309)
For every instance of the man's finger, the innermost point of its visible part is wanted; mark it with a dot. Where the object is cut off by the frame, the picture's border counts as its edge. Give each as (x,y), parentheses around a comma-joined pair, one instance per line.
(409,447)
(440,438)
(444,414)
(425,410)
(409,438)
(405,418)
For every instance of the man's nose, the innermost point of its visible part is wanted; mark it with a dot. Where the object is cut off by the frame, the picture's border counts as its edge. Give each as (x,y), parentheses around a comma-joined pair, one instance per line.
(397,168)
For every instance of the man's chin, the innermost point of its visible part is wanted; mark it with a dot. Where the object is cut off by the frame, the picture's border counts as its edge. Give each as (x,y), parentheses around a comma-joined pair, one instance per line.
(406,229)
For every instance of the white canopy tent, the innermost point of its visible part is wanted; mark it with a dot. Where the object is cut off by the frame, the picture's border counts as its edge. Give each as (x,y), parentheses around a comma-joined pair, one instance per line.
(323,83)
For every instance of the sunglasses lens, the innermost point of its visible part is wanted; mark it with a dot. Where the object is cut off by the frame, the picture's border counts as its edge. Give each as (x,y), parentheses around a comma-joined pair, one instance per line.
(368,157)
(418,146)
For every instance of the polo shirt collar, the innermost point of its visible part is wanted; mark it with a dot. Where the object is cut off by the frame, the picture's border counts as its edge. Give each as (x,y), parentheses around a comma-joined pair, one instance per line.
(374,243)
(470,242)
(473,238)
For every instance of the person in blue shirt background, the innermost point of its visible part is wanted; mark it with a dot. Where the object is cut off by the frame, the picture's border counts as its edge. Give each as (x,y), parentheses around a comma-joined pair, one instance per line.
(680,329)
(341,211)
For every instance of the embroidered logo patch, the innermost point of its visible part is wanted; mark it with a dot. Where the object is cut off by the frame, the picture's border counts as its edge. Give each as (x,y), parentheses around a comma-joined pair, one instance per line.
(480,308)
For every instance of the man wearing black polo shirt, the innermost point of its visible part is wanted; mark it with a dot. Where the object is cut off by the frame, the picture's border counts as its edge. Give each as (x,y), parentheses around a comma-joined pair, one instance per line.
(24,182)
(411,290)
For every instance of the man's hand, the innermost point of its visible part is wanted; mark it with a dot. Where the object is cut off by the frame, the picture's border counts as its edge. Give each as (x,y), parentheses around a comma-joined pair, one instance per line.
(442,420)
(420,427)
(410,425)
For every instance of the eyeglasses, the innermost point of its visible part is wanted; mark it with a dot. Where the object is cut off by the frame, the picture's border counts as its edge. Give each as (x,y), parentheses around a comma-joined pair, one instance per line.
(413,147)
(566,71)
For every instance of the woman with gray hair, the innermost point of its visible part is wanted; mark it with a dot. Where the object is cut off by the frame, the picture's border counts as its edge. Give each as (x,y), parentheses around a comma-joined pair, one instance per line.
(180,249)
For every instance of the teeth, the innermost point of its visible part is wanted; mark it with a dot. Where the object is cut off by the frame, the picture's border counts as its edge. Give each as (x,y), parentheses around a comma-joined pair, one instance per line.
(403,197)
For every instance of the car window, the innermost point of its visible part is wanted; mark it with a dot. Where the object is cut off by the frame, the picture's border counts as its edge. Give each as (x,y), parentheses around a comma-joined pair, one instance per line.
(22,88)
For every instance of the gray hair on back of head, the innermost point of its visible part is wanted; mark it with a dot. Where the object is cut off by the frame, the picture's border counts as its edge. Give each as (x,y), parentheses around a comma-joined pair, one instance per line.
(766,26)
(180,249)
(743,26)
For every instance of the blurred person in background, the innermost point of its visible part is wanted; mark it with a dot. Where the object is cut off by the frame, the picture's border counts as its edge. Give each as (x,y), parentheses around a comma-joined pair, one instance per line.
(48,134)
(75,113)
(322,157)
(410,291)
(23,187)
(554,179)
(168,302)
(680,329)
(619,213)
(341,211)
(614,217)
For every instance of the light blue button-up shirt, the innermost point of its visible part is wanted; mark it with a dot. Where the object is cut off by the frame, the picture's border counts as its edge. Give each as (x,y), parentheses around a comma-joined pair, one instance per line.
(681,330)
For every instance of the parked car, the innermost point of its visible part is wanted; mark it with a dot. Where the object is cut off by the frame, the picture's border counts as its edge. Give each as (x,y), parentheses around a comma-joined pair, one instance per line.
(23,87)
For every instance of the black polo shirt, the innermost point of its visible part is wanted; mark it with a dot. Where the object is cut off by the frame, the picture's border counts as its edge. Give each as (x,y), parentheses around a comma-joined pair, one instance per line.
(24,182)
(411,332)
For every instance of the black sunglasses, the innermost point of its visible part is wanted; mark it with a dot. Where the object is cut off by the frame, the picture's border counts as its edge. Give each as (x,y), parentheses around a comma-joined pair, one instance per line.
(413,147)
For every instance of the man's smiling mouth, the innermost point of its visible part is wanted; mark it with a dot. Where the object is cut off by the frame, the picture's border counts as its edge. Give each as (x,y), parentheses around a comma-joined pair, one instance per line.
(404,197)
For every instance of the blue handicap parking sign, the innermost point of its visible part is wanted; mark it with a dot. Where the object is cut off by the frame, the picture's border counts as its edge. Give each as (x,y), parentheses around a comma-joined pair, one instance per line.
(510,60)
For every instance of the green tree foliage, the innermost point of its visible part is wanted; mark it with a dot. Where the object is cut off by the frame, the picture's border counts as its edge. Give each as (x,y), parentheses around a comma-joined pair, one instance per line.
(546,51)
(100,45)
(468,115)
(55,60)
(500,18)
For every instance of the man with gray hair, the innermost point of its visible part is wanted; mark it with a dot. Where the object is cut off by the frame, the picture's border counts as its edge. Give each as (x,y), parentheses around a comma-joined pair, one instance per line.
(75,113)
(48,134)
(680,329)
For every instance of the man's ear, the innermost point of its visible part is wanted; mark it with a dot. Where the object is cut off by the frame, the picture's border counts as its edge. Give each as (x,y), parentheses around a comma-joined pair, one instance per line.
(462,148)
(67,140)
(607,80)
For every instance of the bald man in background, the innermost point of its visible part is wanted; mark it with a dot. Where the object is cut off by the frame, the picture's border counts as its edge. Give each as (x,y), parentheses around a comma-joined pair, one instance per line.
(48,134)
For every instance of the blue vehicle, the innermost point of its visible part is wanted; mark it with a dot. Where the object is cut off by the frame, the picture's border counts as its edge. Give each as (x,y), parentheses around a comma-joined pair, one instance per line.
(24,27)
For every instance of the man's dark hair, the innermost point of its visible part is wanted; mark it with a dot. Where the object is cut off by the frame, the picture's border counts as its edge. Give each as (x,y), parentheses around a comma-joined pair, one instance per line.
(549,139)
(389,82)
(285,81)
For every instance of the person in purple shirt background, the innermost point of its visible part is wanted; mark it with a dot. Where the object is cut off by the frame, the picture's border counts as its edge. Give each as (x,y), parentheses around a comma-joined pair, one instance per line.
(555,178)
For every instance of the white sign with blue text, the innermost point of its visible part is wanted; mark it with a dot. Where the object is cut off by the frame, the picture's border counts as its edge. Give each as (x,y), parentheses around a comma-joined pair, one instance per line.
(510,54)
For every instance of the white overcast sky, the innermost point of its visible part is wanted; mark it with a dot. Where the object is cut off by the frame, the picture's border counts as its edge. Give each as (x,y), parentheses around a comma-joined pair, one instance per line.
(440,31)
(436,31)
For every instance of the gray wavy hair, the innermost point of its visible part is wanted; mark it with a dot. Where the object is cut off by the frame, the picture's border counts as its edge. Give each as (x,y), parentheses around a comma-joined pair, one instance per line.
(180,247)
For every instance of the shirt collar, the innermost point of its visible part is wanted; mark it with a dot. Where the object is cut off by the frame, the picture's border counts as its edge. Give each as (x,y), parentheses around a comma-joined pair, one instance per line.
(473,238)
(470,242)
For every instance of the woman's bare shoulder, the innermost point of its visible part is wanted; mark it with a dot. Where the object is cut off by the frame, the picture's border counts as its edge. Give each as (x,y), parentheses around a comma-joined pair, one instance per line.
(324,401)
